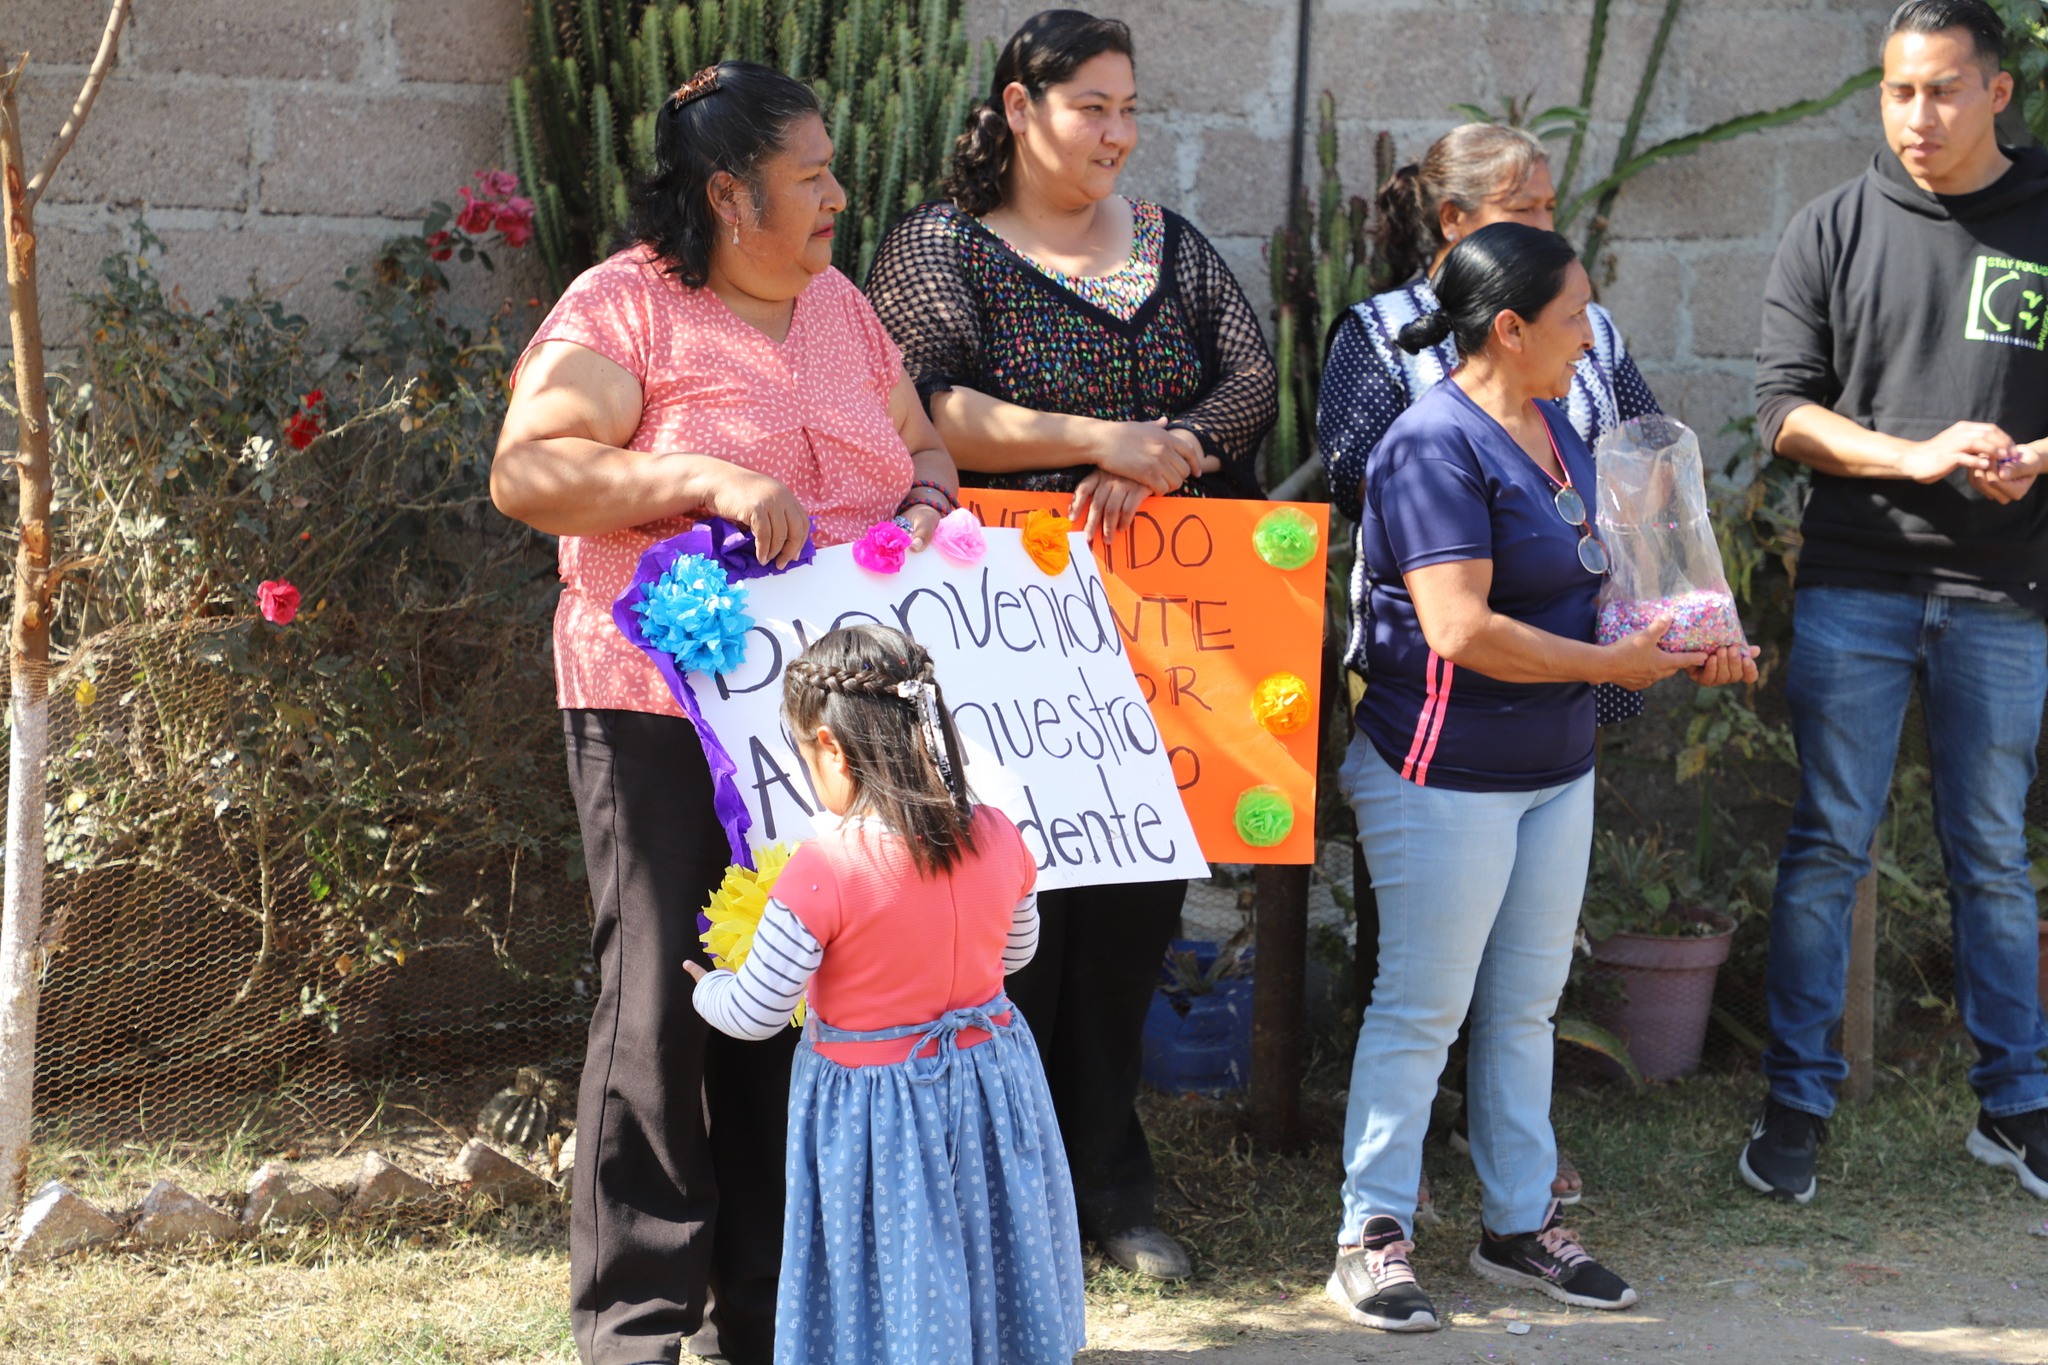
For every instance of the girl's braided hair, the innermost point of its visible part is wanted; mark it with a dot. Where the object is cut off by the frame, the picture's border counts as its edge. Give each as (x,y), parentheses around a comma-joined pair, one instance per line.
(873,688)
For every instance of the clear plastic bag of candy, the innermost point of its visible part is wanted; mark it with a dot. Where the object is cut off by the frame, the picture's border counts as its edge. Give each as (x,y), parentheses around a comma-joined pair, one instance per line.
(1662,557)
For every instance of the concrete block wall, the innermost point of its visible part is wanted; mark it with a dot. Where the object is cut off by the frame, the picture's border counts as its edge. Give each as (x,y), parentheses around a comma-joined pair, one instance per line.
(1690,241)
(277,142)
(282,141)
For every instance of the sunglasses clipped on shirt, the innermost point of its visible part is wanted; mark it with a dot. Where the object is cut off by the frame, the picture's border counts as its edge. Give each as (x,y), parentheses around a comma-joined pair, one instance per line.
(1572,507)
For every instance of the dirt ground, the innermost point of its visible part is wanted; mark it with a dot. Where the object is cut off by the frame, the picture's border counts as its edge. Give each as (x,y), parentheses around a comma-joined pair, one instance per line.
(1912,1253)
(1753,1315)
(494,1295)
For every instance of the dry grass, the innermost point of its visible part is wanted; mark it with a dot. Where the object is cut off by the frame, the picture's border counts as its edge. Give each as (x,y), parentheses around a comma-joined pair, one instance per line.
(1904,1218)
(439,1285)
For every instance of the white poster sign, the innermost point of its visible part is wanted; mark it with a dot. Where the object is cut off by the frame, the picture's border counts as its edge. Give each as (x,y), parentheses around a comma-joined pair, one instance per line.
(1058,736)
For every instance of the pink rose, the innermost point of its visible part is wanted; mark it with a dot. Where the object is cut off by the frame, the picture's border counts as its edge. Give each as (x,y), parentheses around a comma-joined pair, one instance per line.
(278,601)
(499,184)
(882,549)
(477,215)
(515,221)
(959,538)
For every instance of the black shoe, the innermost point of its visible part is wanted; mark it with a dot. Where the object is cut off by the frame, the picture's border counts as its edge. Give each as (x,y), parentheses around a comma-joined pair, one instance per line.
(1376,1285)
(1779,1156)
(2018,1142)
(1551,1260)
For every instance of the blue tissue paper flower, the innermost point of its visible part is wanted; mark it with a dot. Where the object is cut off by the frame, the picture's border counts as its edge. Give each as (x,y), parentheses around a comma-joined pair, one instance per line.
(697,616)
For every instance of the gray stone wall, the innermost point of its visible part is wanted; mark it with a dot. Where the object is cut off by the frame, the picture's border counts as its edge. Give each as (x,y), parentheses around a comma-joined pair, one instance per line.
(280,141)
(1690,241)
(274,141)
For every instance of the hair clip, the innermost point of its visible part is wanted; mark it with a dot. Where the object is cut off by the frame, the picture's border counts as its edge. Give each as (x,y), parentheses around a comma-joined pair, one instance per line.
(703,83)
(923,695)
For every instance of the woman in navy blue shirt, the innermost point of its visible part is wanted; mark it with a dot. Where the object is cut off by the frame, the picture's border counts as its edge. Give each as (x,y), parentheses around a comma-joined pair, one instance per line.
(1471,774)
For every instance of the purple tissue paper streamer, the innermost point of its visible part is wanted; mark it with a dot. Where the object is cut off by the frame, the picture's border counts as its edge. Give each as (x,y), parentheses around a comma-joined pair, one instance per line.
(732,549)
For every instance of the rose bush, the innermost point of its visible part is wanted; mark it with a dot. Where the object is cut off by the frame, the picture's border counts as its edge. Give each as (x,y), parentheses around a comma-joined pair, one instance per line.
(331,801)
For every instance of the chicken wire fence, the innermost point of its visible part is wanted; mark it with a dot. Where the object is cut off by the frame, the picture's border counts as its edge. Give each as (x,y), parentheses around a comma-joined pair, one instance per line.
(196,978)
(200,972)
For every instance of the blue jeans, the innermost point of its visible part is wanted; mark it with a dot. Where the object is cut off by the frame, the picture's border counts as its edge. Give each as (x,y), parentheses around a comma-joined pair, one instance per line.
(1479,899)
(1983,674)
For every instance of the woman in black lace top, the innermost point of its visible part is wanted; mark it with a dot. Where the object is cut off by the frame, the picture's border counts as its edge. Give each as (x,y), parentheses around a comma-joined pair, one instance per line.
(1066,338)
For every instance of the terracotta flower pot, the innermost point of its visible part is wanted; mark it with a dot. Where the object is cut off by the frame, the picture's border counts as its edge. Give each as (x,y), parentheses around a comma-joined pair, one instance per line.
(1656,992)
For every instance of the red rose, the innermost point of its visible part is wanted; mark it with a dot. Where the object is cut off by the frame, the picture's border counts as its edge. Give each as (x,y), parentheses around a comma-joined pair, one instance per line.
(440,246)
(477,214)
(302,426)
(277,600)
(515,221)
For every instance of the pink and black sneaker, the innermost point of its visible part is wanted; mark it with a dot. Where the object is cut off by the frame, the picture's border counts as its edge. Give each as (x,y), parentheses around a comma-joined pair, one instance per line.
(1551,1260)
(1376,1285)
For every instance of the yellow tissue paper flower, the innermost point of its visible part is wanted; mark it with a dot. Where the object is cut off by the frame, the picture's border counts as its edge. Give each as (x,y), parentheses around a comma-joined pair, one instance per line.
(1281,704)
(736,908)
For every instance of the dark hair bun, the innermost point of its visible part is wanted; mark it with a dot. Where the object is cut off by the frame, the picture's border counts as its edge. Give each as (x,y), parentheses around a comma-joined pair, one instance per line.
(1502,268)
(1425,332)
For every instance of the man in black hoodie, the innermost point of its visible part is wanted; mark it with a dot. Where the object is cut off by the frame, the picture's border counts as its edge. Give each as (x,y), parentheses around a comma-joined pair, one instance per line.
(1905,359)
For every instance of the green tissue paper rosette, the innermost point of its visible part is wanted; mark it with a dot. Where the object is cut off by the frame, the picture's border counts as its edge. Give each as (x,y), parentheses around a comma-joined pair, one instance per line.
(1264,817)
(1285,538)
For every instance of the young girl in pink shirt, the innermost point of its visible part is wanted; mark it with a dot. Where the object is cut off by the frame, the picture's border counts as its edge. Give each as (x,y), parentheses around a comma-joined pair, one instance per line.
(930,1213)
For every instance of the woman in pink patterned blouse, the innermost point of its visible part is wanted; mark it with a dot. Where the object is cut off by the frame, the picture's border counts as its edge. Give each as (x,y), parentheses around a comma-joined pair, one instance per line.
(716,366)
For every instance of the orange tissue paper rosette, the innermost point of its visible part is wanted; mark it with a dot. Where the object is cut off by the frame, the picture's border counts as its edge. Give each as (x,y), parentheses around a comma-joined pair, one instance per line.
(1045,540)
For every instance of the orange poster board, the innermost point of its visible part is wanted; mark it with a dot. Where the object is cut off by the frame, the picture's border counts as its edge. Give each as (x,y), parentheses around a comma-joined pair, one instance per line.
(1206,621)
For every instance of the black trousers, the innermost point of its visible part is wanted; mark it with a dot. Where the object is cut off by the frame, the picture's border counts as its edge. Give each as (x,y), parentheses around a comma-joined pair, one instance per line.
(676,1227)
(1085,996)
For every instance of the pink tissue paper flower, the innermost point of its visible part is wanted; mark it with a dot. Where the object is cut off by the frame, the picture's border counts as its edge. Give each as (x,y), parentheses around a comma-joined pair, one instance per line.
(882,549)
(959,538)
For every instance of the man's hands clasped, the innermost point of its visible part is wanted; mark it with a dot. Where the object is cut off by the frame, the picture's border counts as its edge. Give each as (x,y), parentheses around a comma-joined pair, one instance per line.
(1998,467)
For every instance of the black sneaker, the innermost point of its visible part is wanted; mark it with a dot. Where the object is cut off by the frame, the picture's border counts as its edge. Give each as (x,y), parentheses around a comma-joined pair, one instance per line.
(1376,1285)
(1779,1156)
(1551,1260)
(2018,1142)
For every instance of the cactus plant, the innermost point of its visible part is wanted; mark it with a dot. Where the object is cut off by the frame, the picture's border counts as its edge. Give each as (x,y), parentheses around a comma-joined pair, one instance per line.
(1322,262)
(896,78)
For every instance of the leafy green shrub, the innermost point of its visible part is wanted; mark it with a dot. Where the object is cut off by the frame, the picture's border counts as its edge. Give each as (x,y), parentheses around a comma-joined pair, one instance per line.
(2027,59)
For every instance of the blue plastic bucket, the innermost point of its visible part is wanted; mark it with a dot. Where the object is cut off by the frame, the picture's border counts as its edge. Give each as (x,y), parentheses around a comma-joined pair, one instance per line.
(1199,1043)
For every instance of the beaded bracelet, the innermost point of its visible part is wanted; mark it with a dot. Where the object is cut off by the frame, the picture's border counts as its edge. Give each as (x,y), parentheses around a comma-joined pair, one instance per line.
(910,505)
(952,503)
(933,498)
